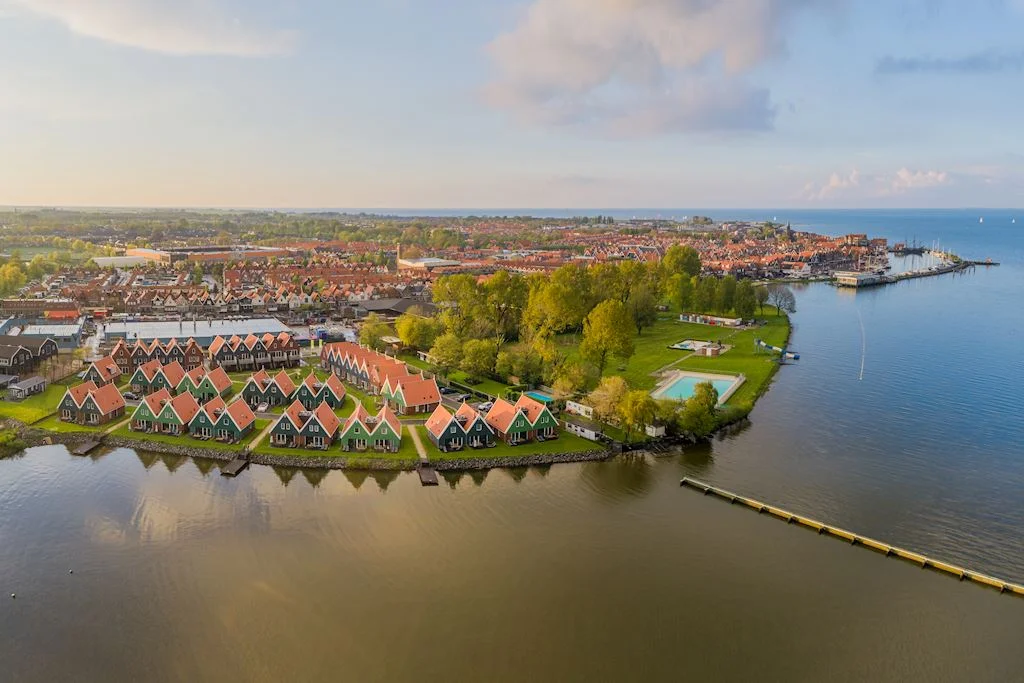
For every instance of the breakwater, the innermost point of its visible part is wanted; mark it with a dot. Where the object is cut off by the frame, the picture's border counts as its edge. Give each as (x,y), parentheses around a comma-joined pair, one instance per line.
(886,549)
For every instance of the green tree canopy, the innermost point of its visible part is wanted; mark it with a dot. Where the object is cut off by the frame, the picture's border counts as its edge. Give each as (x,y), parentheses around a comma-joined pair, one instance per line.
(607,332)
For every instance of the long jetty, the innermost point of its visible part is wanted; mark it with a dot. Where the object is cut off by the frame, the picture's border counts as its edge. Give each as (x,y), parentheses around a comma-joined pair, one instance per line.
(886,549)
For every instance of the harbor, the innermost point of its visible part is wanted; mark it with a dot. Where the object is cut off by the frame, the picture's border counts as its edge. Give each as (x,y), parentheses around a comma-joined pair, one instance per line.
(948,263)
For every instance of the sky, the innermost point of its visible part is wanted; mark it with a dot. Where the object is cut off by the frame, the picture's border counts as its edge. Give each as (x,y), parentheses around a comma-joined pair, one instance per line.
(512,103)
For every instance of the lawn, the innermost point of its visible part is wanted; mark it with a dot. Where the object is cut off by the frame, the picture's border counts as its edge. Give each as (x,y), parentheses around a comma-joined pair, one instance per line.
(652,353)
(488,386)
(565,443)
(35,407)
(55,424)
(186,440)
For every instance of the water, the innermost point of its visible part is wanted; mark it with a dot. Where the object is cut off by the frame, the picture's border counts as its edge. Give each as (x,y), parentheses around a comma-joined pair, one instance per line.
(601,571)
(683,387)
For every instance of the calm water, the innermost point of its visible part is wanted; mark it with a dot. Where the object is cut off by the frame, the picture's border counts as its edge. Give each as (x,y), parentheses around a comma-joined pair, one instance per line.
(604,571)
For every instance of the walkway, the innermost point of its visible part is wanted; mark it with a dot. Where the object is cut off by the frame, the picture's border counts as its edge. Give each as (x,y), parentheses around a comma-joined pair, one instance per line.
(116,426)
(262,435)
(415,434)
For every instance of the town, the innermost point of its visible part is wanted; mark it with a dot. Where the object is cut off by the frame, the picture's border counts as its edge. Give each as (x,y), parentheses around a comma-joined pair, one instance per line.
(343,338)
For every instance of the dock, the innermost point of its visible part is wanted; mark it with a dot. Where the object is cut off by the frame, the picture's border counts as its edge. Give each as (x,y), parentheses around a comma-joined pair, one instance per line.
(85,448)
(850,537)
(428,477)
(234,468)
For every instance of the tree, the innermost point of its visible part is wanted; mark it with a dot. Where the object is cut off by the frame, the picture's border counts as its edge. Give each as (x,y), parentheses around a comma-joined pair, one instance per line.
(698,416)
(197,275)
(782,298)
(643,306)
(746,301)
(681,292)
(607,397)
(607,332)
(417,330)
(522,362)
(726,293)
(705,296)
(373,329)
(637,410)
(680,260)
(478,356)
(761,294)
(573,377)
(446,353)
(504,300)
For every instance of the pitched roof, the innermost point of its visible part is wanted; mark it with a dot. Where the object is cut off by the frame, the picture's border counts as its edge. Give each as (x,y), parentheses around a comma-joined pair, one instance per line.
(107,367)
(335,385)
(388,415)
(310,381)
(327,419)
(216,345)
(532,407)
(155,401)
(149,369)
(260,377)
(358,415)
(418,391)
(107,398)
(294,414)
(469,414)
(501,414)
(185,407)
(213,408)
(219,378)
(285,383)
(438,421)
(174,373)
(79,392)
(196,375)
(241,414)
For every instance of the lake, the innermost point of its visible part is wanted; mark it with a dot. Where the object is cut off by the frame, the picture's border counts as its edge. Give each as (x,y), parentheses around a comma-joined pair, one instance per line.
(900,421)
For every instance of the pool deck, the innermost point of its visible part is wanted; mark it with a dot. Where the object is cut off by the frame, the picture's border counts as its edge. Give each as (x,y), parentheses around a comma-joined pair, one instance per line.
(737,382)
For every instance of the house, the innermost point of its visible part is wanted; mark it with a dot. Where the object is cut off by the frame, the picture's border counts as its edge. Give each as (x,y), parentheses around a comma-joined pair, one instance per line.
(321,428)
(214,383)
(253,352)
(542,422)
(445,431)
(285,431)
(261,388)
(190,382)
(509,422)
(177,414)
(15,359)
(382,432)
(230,423)
(145,416)
(411,394)
(479,434)
(312,392)
(26,387)
(168,377)
(103,371)
(90,404)
(40,348)
(142,379)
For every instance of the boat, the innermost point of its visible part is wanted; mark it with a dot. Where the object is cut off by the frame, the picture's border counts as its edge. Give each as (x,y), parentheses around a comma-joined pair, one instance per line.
(981,220)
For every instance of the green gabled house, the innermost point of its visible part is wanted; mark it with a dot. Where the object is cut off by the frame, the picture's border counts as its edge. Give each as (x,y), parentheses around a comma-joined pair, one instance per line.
(510,424)
(310,392)
(145,415)
(235,423)
(205,421)
(261,388)
(142,379)
(191,381)
(176,414)
(387,433)
(168,377)
(355,434)
(288,427)
(214,383)
(543,423)
(320,429)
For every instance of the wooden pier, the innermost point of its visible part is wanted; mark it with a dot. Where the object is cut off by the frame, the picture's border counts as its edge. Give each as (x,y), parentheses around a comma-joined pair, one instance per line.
(428,477)
(85,448)
(856,539)
(234,468)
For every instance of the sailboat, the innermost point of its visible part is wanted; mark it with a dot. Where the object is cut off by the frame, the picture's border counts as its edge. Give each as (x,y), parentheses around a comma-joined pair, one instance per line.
(981,220)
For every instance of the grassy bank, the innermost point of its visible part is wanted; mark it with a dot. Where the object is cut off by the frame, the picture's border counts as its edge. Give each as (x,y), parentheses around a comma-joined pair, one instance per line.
(185,440)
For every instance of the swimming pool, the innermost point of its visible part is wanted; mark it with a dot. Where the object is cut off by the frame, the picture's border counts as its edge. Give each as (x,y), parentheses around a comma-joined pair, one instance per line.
(685,383)
(538,396)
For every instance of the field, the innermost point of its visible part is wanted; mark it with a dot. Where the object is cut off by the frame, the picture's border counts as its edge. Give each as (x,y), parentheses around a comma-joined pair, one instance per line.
(488,386)
(54,424)
(35,407)
(653,354)
(186,440)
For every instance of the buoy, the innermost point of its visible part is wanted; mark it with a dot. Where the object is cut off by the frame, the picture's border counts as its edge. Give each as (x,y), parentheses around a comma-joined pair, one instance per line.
(71,571)
(12,596)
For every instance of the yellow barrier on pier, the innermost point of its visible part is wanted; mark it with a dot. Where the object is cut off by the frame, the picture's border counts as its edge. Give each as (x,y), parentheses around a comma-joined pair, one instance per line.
(855,539)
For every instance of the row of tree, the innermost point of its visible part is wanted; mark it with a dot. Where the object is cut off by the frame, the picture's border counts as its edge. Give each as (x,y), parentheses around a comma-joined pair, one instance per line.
(634,410)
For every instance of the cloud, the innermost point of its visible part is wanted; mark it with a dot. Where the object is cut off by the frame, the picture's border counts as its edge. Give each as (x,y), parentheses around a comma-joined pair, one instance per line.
(641,67)
(859,185)
(905,179)
(178,27)
(978,63)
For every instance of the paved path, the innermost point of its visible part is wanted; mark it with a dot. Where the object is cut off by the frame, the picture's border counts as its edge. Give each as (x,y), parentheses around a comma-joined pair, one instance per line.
(117,426)
(415,434)
(256,442)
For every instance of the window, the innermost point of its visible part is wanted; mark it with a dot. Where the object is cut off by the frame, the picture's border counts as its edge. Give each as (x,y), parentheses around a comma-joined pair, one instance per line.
(67,414)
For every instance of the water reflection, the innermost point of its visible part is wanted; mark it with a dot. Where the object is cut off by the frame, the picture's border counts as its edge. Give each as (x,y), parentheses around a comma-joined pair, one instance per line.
(172,462)
(356,477)
(204,465)
(623,477)
(452,477)
(147,459)
(478,476)
(384,479)
(314,477)
(697,459)
(285,474)
(517,473)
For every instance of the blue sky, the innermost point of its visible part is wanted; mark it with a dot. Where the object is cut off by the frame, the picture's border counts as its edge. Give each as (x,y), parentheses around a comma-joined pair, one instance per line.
(537,103)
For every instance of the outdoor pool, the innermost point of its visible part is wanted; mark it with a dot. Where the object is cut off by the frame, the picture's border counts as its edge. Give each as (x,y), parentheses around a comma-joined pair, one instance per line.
(683,384)
(538,396)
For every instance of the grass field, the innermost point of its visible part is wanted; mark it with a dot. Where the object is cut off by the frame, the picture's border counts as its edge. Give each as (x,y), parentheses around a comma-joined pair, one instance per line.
(653,353)
(35,407)
(186,440)
(565,443)
(54,424)
(487,386)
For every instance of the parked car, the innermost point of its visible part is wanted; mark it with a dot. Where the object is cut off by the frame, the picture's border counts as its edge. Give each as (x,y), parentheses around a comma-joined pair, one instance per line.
(263,407)
(484,407)
(446,390)
(130,395)
(459,397)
